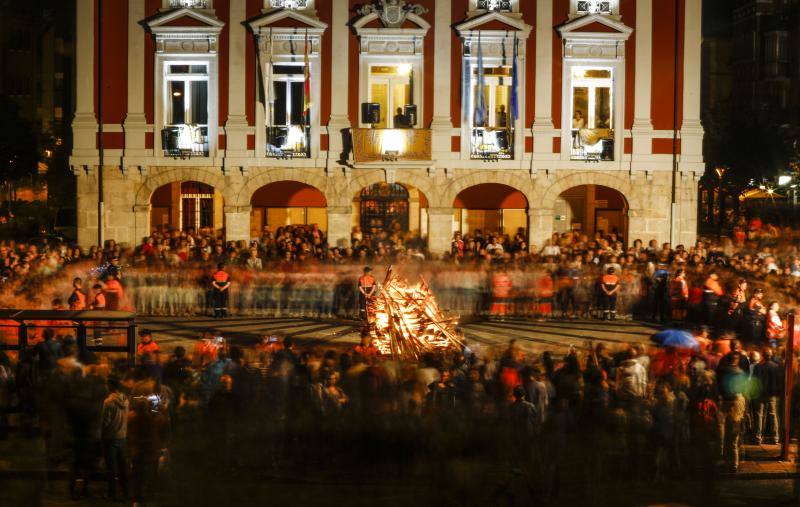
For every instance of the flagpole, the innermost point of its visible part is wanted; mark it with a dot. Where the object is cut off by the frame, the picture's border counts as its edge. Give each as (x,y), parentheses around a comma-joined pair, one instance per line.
(307,95)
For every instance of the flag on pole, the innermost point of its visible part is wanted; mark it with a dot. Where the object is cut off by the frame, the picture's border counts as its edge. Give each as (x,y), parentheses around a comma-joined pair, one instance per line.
(307,86)
(466,88)
(514,83)
(480,100)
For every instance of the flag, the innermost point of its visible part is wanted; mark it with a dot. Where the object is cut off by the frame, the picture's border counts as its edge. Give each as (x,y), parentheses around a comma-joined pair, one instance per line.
(411,80)
(480,100)
(466,88)
(307,86)
(514,83)
(262,81)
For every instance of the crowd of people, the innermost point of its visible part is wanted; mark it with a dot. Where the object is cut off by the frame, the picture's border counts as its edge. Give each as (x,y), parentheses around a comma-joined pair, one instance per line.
(649,414)
(653,413)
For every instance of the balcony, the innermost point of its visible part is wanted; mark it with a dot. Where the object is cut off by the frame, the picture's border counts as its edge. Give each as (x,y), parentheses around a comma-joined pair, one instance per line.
(592,145)
(495,5)
(190,4)
(185,141)
(391,145)
(288,142)
(594,7)
(491,144)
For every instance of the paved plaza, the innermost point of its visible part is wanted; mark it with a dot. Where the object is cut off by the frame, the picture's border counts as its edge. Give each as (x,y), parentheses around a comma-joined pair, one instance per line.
(532,336)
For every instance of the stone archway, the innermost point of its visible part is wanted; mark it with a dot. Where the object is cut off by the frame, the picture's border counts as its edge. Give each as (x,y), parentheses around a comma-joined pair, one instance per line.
(407,178)
(491,208)
(189,206)
(542,218)
(262,178)
(592,209)
(382,206)
(287,202)
(472,178)
(158,178)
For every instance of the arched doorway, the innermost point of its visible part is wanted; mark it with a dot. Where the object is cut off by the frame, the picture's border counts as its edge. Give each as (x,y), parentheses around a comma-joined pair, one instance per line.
(490,208)
(391,207)
(189,206)
(287,203)
(592,209)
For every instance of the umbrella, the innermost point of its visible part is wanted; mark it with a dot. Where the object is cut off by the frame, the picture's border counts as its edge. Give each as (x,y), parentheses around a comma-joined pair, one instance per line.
(677,338)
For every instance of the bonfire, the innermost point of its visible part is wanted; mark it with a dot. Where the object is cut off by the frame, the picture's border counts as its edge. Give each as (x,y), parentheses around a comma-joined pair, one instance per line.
(406,322)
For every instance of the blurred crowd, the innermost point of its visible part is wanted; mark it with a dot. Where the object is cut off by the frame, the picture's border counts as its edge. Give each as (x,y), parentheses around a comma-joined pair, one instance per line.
(579,419)
(652,413)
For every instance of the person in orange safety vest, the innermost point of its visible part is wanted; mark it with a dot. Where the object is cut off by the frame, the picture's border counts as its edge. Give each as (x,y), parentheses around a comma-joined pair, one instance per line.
(609,289)
(501,292)
(220,291)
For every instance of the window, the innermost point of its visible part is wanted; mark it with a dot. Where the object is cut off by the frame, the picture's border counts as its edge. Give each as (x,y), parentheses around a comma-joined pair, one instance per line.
(594,7)
(592,113)
(186,108)
(493,135)
(391,86)
(190,4)
(495,5)
(288,128)
(197,206)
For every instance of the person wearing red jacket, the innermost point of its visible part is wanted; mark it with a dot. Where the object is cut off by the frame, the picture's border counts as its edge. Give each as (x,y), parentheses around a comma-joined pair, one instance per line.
(679,294)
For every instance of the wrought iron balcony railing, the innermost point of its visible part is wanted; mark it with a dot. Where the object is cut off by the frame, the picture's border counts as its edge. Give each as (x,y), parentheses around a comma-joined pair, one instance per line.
(185,141)
(190,4)
(491,144)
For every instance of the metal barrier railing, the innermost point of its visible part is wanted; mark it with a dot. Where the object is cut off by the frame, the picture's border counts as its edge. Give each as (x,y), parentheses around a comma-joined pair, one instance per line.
(82,322)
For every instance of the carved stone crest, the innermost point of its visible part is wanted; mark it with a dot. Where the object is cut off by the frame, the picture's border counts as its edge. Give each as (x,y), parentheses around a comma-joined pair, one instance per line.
(392,13)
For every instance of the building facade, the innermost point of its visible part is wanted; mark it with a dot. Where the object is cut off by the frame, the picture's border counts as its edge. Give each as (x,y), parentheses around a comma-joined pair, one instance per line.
(434,116)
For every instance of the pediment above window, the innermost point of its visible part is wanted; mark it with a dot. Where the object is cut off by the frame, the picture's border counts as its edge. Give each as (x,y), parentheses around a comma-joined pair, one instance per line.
(493,23)
(185,31)
(280,31)
(595,36)
(391,28)
(595,26)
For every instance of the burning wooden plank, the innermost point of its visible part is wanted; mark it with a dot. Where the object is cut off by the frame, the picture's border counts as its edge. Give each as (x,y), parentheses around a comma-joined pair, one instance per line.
(406,321)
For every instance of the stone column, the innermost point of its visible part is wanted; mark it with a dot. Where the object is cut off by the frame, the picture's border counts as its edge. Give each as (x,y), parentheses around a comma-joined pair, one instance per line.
(237,223)
(135,124)
(339,225)
(141,222)
(692,129)
(442,124)
(440,230)
(84,124)
(340,34)
(86,209)
(642,130)
(540,227)
(236,127)
(637,226)
(543,96)
(687,214)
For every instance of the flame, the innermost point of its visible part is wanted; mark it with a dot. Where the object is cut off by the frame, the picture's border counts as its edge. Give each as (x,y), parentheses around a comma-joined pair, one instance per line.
(405,321)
